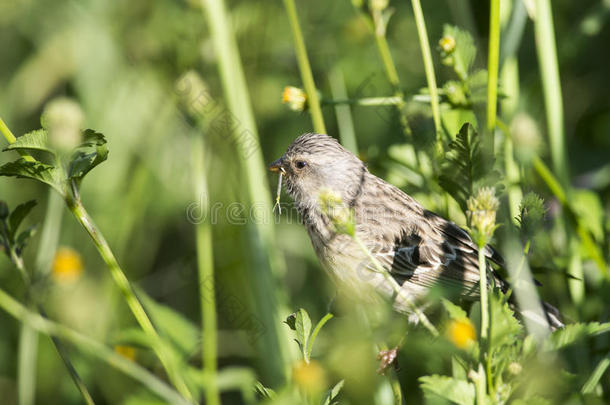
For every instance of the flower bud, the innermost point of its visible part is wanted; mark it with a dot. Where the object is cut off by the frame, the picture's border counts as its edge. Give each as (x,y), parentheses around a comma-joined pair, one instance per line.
(482,214)
(63,119)
(339,214)
(531,212)
(295,98)
(515,368)
(379,5)
(447,44)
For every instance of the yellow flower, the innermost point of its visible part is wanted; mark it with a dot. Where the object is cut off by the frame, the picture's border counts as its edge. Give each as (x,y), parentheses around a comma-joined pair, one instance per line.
(461,333)
(447,44)
(294,97)
(126,351)
(310,377)
(67,265)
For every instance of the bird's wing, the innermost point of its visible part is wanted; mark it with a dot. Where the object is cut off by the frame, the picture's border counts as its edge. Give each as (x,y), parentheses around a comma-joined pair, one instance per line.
(435,251)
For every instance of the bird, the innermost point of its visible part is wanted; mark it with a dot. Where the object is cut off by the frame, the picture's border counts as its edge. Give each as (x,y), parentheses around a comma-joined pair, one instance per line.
(419,249)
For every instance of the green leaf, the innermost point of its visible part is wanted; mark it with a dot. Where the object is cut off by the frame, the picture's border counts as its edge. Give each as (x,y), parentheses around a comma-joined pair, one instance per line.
(33,170)
(23,238)
(263,391)
(461,57)
(291,321)
(303,327)
(455,312)
(573,333)
(503,326)
(89,154)
(181,332)
(458,391)
(315,332)
(588,207)
(18,214)
(463,166)
(35,140)
(333,393)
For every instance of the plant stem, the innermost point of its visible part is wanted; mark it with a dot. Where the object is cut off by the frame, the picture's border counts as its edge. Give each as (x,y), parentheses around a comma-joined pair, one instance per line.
(492,69)
(483,291)
(429,68)
(11,139)
(266,263)
(81,214)
(205,264)
(343,112)
(305,68)
(397,289)
(551,86)
(42,325)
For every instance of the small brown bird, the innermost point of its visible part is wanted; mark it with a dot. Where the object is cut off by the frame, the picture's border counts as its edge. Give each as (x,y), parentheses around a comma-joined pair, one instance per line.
(419,248)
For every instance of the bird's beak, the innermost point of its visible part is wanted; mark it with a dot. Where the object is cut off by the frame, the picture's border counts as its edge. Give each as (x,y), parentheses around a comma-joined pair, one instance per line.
(276,166)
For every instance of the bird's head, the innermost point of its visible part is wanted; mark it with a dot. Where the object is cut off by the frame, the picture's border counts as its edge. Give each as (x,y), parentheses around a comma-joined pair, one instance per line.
(315,163)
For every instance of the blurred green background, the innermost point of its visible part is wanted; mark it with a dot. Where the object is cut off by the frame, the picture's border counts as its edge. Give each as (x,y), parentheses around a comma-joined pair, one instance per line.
(121,61)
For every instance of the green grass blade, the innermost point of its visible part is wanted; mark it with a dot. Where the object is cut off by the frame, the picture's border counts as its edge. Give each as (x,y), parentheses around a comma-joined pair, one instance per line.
(305,68)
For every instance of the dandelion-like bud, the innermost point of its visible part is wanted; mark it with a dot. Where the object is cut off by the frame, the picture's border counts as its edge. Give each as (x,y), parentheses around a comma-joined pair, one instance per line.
(339,214)
(379,5)
(295,98)
(461,333)
(447,44)
(63,118)
(482,214)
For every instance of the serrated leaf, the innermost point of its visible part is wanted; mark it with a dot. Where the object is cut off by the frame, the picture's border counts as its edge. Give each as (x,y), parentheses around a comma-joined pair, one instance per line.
(503,326)
(455,312)
(35,140)
(458,391)
(462,56)
(573,333)
(18,214)
(333,393)
(463,165)
(88,155)
(33,170)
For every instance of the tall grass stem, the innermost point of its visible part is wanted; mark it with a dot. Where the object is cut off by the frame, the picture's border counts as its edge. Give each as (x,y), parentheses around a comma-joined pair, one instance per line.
(492,70)
(98,350)
(313,100)
(267,265)
(424,44)
(205,264)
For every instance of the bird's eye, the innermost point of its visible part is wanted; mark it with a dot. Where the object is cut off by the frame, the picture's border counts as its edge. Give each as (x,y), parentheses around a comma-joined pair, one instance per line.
(299,164)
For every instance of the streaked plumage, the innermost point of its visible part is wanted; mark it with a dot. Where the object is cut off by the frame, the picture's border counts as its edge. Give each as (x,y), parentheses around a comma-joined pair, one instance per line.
(418,247)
